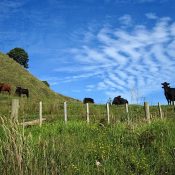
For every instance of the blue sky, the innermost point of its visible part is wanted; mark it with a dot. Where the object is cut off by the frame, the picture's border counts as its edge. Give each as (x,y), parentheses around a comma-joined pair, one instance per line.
(95,48)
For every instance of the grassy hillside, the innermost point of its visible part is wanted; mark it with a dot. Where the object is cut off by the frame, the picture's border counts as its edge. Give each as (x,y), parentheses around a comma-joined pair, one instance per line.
(14,74)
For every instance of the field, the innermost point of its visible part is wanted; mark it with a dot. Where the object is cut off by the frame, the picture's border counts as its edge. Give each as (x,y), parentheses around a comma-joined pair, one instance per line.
(78,148)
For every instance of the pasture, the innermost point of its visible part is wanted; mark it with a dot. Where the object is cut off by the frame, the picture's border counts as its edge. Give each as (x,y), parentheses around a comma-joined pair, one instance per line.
(77,147)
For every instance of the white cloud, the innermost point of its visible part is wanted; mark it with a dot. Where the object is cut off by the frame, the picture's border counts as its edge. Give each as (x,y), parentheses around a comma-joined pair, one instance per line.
(13,4)
(151,16)
(126,20)
(8,7)
(172,29)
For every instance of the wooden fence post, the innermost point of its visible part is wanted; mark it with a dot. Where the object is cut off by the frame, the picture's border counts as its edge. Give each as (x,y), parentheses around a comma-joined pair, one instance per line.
(15,109)
(87,112)
(127,111)
(65,112)
(23,127)
(108,116)
(40,114)
(160,111)
(147,112)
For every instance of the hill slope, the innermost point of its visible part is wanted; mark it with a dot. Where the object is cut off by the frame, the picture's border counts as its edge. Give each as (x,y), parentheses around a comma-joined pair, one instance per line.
(14,74)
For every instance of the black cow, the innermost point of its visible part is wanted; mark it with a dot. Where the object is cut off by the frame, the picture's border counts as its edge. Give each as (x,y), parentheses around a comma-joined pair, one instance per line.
(169,93)
(19,91)
(88,100)
(119,101)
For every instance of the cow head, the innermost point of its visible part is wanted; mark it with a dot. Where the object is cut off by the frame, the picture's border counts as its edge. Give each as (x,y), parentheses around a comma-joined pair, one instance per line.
(165,84)
(118,97)
(18,90)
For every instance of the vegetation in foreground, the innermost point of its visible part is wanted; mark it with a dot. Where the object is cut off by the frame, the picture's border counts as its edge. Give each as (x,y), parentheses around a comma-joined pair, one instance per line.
(79,148)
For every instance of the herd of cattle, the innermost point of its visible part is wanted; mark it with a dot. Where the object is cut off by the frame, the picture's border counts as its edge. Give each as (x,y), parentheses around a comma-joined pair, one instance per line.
(168,91)
(19,90)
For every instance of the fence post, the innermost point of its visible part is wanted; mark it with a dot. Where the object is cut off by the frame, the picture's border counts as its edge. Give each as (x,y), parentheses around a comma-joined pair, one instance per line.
(23,128)
(147,112)
(160,111)
(108,116)
(127,111)
(40,113)
(15,109)
(87,112)
(65,112)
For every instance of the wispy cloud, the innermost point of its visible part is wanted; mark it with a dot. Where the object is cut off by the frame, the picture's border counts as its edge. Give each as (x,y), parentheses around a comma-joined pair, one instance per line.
(7,7)
(151,16)
(126,20)
(125,59)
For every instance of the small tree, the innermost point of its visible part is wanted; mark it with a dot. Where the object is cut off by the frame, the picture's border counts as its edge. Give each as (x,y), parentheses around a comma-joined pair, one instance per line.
(20,56)
(46,83)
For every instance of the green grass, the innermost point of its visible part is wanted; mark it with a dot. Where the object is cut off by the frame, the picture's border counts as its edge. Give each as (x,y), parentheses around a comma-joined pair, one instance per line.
(56,148)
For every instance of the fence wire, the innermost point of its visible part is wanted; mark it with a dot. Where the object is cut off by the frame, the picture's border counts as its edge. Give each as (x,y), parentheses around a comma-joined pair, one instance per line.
(52,110)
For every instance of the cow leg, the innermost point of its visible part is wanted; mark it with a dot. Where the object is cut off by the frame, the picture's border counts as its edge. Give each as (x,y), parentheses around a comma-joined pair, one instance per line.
(27,94)
(173,99)
(168,101)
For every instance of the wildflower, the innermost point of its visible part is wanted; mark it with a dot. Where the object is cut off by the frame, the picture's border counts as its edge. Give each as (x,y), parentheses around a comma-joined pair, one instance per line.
(97,163)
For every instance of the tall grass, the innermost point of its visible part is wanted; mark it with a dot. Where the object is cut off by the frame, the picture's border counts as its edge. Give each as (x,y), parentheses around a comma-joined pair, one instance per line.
(79,148)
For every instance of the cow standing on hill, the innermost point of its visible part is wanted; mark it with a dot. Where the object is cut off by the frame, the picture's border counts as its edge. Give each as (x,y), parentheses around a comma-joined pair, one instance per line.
(88,100)
(119,101)
(19,91)
(5,87)
(169,93)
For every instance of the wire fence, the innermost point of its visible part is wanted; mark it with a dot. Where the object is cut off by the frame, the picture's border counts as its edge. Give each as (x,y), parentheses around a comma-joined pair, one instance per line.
(74,111)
